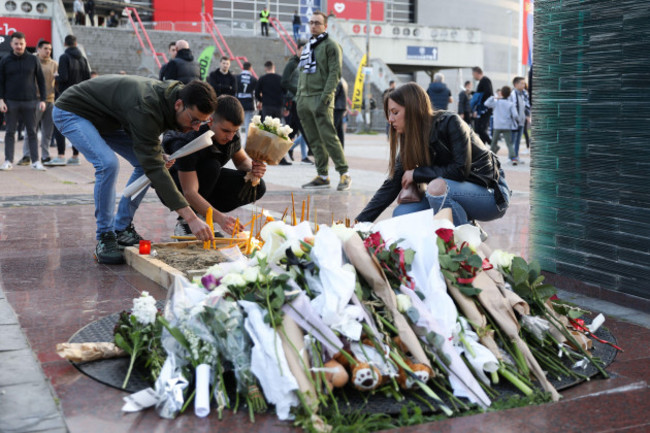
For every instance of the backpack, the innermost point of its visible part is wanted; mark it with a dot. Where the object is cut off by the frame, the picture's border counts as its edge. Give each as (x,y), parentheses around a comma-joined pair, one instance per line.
(476,104)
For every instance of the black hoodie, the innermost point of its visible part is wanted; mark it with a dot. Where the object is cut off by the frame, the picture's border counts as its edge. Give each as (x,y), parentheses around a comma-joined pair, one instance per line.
(73,68)
(182,67)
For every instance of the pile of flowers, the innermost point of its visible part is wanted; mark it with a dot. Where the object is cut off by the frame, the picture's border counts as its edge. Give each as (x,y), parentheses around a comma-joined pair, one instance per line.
(409,304)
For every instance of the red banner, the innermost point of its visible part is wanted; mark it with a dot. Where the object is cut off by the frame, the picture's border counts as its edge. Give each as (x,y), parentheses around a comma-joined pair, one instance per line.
(356,10)
(180,11)
(34,30)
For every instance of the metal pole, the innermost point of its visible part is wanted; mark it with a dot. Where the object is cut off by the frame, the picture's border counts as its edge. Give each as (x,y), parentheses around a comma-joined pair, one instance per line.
(366,98)
(509,13)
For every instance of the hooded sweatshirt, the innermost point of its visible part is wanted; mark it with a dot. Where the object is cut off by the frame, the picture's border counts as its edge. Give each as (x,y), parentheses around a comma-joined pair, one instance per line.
(439,95)
(73,68)
(182,67)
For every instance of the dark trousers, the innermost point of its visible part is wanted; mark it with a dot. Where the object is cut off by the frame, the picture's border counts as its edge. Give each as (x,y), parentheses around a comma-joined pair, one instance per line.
(220,186)
(268,110)
(482,126)
(265,29)
(59,139)
(338,124)
(25,111)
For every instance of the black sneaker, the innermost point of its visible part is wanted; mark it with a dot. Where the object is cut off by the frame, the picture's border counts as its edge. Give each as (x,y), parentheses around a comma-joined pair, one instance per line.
(107,250)
(128,237)
(182,229)
(25,161)
(284,161)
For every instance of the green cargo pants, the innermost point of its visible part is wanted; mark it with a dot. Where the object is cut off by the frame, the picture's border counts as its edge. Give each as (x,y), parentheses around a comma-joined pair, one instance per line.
(318,123)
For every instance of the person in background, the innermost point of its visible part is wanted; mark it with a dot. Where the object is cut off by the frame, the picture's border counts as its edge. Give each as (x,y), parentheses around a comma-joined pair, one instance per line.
(505,121)
(112,20)
(246,85)
(439,149)
(483,114)
(264,21)
(222,80)
(183,67)
(320,71)
(103,126)
(202,176)
(439,93)
(269,92)
(89,6)
(464,108)
(297,23)
(289,83)
(50,68)
(79,13)
(171,51)
(22,93)
(73,69)
(340,108)
(519,98)
(94,74)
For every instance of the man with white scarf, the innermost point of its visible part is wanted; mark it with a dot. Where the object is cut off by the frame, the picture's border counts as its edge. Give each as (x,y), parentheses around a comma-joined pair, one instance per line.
(320,71)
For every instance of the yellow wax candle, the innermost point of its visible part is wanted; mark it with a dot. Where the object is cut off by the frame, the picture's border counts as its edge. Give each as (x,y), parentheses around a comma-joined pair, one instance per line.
(208,219)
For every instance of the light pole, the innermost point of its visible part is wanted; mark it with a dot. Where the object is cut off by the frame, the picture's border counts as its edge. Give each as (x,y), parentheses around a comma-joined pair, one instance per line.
(509,13)
(366,90)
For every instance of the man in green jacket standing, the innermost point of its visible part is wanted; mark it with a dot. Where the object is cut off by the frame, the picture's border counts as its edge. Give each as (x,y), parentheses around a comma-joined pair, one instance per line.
(320,71)
(125,115)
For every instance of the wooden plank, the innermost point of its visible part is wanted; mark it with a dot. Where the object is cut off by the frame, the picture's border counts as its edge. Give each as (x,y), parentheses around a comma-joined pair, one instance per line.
(152,268)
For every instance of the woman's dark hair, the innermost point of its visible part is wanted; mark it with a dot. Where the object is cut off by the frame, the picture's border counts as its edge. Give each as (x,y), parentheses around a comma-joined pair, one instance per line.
(199,94)
(413,144)
(229,108)
(505,92)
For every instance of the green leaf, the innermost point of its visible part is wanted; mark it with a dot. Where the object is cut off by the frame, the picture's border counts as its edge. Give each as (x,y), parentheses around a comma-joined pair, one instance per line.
(409,255)
(519,275)
(468,290)
(454,266)
(523,290)
(475,261)
(122,344)
(519,263)
(545,291)
(413,315)
(445,261)
(534,269)
(537,281)
(574,314)
(420,294)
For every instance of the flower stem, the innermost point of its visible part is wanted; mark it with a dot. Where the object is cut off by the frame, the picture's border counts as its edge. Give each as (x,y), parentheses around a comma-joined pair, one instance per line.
(515,381)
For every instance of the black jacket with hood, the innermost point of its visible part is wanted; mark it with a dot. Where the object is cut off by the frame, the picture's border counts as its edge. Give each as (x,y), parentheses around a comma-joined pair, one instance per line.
(182,67)
(73,68)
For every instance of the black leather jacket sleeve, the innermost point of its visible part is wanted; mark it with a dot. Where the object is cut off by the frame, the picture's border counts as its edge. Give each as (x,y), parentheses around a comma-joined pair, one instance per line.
(450,145)
(384,196)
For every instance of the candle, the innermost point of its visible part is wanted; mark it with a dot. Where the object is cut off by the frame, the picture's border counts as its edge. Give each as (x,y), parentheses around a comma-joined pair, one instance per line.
(208,219)
(145,247)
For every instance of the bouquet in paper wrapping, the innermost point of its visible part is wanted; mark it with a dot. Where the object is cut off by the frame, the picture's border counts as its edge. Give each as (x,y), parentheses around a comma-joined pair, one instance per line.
(267,141)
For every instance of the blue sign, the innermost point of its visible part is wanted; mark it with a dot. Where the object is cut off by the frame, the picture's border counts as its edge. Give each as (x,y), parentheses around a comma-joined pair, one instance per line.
(421,53)
(306,10)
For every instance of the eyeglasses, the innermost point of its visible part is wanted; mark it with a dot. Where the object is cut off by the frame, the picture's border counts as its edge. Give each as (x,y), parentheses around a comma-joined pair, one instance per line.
(196,122)
(315,23)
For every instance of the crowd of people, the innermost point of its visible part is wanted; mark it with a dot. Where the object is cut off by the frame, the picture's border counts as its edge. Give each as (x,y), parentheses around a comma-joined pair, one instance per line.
(438,159)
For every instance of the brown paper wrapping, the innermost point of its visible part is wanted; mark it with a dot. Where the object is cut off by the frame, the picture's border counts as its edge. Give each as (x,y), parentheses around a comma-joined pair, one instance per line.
(293,344)
(499,308)
(264,146)
(84,352)
(369,268)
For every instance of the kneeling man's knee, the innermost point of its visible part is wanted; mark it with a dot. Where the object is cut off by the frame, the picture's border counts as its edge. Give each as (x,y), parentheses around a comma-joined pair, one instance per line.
(437,187)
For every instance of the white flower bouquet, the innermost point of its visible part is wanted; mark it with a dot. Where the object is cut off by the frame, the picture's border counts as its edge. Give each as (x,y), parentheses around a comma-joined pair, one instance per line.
(268,141)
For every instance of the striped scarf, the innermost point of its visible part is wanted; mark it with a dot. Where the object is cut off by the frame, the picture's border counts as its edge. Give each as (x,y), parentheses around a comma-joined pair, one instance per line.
(307,59)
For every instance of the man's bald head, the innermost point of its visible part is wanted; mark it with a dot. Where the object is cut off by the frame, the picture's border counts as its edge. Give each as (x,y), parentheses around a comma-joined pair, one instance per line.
(182,45)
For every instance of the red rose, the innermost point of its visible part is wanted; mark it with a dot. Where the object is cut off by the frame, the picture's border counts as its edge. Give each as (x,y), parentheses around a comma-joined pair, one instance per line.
(446,235)
(374,240)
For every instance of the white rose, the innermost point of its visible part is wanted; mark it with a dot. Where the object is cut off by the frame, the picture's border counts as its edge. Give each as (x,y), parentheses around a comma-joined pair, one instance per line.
(268,121)
(252,274)
(342,232)
(256,120)
(403,303)
(276,123)
(273,227)
(217,271)
(233,280)
(501,259)
(286,130)
(468,233)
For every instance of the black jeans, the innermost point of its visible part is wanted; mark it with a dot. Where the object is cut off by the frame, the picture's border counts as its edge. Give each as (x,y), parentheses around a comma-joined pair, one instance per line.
(338,124)
(220,186)
(482,125)
(25,111)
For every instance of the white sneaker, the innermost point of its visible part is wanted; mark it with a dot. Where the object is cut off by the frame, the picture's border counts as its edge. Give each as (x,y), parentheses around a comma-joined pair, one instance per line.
(6,166)
(38,165)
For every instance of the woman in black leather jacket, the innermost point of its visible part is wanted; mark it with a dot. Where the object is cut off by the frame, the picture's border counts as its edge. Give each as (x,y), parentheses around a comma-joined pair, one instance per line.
(440,150)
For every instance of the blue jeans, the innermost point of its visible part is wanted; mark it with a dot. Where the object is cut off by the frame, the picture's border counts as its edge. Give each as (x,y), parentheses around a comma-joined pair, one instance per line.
(467,201)
(516,139)
(100,150)
(248,116)
(303,146)
(296,32)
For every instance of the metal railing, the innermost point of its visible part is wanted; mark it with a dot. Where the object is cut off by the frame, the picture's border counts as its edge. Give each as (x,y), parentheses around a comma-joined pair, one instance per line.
(130,12)
(221,43)
(284,35)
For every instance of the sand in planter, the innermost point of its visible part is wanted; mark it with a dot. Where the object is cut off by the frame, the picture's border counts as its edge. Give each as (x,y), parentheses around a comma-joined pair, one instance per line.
(188,257)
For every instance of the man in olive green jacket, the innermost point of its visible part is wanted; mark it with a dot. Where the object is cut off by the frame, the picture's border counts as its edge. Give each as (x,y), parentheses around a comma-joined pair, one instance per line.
(125,115)
(320,71)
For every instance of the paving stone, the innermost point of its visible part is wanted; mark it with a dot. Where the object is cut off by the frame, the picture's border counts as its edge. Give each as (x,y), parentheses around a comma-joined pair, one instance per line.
(12,338)
(7,315)
(19,367)
(29,408)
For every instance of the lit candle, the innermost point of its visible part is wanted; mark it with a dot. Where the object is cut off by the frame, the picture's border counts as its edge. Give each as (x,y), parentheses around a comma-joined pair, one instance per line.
(208,219)
(145,247)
